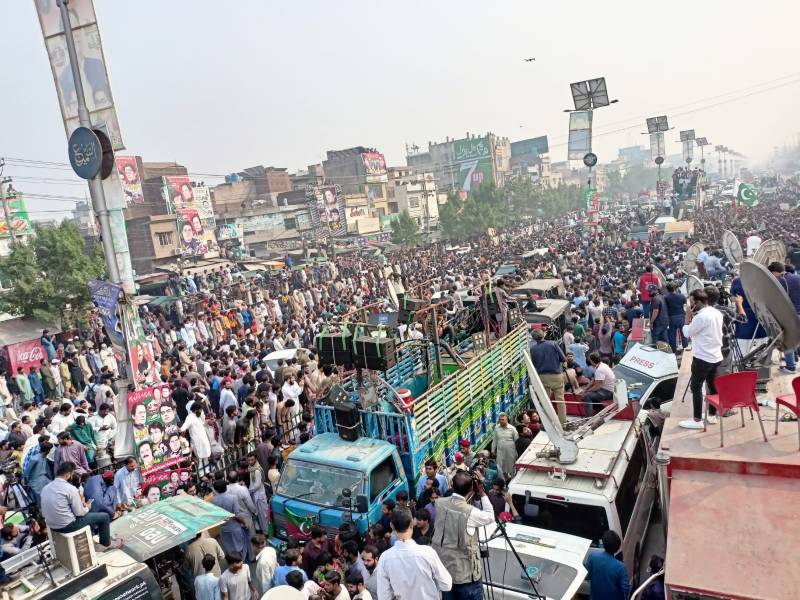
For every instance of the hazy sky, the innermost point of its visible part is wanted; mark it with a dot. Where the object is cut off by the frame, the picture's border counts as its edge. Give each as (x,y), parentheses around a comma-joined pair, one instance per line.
(219,86)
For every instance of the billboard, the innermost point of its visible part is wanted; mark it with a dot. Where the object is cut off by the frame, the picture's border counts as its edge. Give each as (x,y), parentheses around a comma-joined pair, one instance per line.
(580,134)
(472,158)
(191,232)
(657,145)
(26,355)
(374,164)
(177,192)
(230,231)
(536,146)
(20,220)
(194,214)
(105,296)
(91,64)
(131,181)
(326,205)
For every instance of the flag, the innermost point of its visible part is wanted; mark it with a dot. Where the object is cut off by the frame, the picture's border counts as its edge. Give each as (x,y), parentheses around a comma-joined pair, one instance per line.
(299,526)
(747,195)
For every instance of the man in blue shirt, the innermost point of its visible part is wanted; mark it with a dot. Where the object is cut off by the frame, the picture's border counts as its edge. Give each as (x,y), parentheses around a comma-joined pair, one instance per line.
(100,488)
(431,470)
(37,470)
(608,575)
(292,563)
(548,360)
(676,307)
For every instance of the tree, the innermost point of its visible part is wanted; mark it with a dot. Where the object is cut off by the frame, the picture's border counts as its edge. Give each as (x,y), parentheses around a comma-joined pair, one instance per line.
(50,274)
(405,230)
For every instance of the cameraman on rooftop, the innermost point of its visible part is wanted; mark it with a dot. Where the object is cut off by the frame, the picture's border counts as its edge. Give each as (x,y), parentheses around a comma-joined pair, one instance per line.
(455,537)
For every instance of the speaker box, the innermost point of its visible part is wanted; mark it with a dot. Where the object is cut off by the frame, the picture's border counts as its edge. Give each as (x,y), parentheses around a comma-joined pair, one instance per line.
(377,354)
(337,395)
(348,421)
(336,348)
(411,304)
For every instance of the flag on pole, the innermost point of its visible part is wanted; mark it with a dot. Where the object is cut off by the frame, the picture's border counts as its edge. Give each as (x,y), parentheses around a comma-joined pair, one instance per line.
(746,194)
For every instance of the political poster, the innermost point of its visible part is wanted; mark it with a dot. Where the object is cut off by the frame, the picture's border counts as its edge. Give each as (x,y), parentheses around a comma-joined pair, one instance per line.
(142,369)
(128,171)
(177,192)
(156,428)
(105,296)
(91,65)
(327,212)
(374,166)
(191,232)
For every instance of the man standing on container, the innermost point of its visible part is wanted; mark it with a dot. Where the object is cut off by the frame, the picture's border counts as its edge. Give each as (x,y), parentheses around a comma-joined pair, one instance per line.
(548,359)
(703,324)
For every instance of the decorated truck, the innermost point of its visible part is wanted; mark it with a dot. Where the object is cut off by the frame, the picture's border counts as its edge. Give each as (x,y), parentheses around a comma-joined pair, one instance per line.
(374,442)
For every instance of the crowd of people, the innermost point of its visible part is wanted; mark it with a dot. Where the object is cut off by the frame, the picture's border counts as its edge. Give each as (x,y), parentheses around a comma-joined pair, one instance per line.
(228,417)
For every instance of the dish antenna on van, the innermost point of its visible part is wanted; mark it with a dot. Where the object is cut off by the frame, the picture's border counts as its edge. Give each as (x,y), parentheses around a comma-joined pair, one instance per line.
(564,447)
(732,247)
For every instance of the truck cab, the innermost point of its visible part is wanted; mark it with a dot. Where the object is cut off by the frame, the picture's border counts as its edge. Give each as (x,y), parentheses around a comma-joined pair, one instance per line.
(329,480)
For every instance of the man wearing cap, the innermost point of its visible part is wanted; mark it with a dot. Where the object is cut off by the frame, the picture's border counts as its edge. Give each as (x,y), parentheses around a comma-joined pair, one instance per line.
(100,489)
(458,465)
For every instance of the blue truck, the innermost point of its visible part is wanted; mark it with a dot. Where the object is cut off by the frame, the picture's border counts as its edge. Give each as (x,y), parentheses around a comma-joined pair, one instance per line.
(331,479)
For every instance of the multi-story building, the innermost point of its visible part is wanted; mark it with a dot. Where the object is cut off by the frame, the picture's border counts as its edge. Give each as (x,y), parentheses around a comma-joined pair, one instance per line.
(415,192)
(530,158)
(314,175)
(359,170)
(462,164)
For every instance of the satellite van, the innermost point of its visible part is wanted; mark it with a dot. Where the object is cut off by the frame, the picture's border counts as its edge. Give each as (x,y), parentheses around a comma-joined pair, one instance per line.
(595,474)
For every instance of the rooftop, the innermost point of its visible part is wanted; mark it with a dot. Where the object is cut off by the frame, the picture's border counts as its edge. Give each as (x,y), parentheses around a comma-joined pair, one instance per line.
(329,448)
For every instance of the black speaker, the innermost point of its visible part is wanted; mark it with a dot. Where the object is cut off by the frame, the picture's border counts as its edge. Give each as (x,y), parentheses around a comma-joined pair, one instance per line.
(335,349)
(348,420)
(377,354)
(337,395)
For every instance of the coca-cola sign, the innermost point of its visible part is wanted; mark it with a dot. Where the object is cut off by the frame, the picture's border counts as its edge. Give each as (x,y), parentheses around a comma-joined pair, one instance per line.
(26,355)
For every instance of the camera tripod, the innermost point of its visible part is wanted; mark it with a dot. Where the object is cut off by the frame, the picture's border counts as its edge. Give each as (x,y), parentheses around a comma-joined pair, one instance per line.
(484,551)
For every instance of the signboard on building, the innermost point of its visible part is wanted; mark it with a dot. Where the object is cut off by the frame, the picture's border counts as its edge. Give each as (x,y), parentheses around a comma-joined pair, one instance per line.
(326,205)
(230,231)
(20,220)
(580,134)
(193,212)
(130,179)
(91,63)
(26,355)
(472,158)
(536,146)
(374,166)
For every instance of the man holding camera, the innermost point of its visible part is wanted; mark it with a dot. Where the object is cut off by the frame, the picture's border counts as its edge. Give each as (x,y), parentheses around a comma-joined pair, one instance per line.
(455,537)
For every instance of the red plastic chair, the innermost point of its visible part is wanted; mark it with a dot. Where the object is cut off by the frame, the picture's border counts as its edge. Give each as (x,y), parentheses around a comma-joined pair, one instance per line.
(735,390)
(789,401)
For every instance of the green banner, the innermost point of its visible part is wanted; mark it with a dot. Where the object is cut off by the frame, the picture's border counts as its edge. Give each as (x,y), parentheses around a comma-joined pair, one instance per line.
(157,527)
(588,197)
(18,213)
(472,159)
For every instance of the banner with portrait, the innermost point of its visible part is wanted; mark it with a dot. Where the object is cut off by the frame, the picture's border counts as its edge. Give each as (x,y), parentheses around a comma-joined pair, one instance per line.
(177,192)
(191,233)
(156,428)
(130,179)
(327,211)
(105,296)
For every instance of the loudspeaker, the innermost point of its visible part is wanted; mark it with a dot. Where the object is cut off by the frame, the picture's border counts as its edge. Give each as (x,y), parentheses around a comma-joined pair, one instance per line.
(348,420)
(337,395)
(377,354)
(335,348)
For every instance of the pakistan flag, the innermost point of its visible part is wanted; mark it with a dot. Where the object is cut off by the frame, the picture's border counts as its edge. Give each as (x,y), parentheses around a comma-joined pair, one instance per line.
(747,195)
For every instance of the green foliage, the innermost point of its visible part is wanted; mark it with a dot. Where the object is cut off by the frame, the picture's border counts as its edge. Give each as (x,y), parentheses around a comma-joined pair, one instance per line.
(404,230)
(49,275)
(484,207)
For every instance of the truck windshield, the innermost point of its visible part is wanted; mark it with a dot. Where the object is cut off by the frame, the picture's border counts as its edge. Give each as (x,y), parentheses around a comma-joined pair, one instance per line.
(320,484)
(582,520)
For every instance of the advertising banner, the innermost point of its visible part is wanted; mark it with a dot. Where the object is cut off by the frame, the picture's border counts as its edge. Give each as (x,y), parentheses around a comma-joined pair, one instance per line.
(20,220)
(374,165)
(202,204)
(657,145)
(105,296)
(26,355)
(142,370)
(230,231)
(194,214)
(580,134)
(91,63)
(472,162)
(535,146)
(129,177)
(326,206)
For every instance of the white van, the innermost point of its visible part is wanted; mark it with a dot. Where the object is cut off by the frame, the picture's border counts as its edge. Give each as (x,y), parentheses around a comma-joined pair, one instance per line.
(553,561)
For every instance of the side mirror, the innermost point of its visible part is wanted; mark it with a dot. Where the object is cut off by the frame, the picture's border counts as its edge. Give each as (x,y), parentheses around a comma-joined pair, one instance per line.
(362,504)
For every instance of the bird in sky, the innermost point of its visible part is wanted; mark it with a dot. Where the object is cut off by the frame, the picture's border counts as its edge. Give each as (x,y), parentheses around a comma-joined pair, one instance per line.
(529,59)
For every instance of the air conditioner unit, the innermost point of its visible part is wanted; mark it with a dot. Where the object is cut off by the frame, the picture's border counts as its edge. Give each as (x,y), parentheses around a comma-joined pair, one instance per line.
(75,550)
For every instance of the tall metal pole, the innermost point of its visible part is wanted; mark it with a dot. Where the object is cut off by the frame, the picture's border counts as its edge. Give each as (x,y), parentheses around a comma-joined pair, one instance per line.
(95,185)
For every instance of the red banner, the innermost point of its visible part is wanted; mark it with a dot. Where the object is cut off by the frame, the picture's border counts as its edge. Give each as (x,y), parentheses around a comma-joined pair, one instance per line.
(26,355)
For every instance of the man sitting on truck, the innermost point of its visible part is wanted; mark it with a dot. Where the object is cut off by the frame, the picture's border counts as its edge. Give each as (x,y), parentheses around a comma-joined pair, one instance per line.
(602,386)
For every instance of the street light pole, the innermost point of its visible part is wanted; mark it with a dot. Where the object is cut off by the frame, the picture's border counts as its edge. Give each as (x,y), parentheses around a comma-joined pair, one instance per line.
(95,184)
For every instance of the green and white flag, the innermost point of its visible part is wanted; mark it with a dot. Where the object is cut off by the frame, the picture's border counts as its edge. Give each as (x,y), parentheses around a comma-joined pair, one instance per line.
(746,194)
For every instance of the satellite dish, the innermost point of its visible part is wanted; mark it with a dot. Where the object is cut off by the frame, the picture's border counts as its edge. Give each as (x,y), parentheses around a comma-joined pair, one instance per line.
(770,251)
(693,283)
(690,260)
(732,247)
(771,304)
(662,281)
